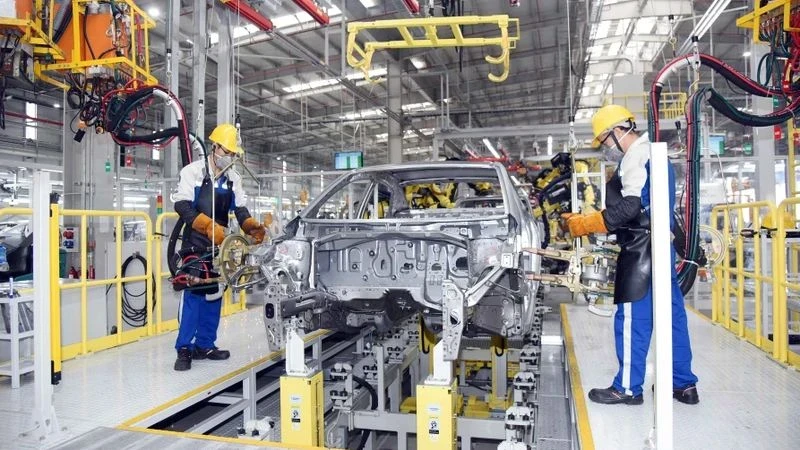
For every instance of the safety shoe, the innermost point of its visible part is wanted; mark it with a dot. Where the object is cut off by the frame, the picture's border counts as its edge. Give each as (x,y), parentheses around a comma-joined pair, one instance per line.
(611,396)
(184,361)
(686,394)
(212,353)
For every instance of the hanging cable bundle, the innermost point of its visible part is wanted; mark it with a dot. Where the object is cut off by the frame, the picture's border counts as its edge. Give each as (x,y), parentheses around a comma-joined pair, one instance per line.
(120,115)
(787,90)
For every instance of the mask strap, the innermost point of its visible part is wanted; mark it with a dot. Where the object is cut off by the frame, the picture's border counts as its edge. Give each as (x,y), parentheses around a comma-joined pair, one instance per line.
(616,141)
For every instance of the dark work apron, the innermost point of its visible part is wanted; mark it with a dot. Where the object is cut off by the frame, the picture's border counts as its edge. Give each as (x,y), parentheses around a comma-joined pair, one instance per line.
(633,274)
(192,238)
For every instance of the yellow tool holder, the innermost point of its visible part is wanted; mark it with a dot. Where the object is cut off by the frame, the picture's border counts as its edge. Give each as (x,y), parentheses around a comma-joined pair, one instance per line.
(361,58)
(775,9)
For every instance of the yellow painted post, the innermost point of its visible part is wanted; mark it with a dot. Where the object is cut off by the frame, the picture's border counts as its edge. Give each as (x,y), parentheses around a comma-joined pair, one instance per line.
(150,277)
(132,55)
(118,263)
(147,48)
(77,24)
(55,299)
(757,273)
(52,10)
(740,275)
(716,292)
(84,309)
(780,293)
(727,268)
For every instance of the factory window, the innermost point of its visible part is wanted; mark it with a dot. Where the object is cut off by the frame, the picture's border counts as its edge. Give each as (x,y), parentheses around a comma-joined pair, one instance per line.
(343,203)
(31,111)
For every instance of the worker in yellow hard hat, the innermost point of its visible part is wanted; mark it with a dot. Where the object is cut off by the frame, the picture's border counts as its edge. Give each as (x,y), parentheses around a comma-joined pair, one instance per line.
(628,216)
(208,191)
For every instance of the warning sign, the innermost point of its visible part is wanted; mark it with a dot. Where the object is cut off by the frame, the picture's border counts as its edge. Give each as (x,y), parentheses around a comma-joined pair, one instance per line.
(294,413)
(433,429)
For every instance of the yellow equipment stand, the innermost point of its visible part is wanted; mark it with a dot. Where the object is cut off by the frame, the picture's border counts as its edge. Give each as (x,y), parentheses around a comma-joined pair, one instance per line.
(437,400)
(302,400)
(436,416)
(302,410)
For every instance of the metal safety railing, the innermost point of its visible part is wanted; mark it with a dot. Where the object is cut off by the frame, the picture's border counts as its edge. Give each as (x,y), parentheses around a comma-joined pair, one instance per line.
(670,108)
(83,283)
(787,251)
(748,278)
(154,324)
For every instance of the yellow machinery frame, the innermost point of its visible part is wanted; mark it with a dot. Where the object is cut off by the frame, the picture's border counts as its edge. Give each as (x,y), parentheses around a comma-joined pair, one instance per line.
(432,26)
(754,19)
(49,56)
(141,22)
(34,34)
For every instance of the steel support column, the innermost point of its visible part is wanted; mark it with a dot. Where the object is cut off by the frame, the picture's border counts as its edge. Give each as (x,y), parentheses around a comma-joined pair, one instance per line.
(171,156)
(763,138)
(395,104)
(225,92)
(199,53)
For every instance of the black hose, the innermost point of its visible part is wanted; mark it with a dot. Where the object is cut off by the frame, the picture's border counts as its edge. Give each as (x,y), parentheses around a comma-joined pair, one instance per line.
(66,17)
(374,394)
(177,231)
(85,35)
(135,317)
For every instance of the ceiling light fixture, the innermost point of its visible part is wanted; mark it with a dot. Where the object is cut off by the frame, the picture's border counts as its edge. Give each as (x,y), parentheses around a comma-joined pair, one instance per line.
(153,12)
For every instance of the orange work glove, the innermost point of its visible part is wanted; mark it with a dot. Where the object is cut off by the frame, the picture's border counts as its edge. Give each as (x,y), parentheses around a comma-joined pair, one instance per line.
(585,224)
(214,232)
(254,229)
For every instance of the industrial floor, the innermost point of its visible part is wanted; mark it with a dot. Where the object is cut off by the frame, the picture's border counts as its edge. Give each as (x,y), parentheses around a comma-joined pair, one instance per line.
(110,387)
(100,391)
(747,401)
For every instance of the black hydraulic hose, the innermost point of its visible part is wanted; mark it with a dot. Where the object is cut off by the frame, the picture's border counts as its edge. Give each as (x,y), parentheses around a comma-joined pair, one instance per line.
(63,18)
(135,317)
(177,231)
(374,394)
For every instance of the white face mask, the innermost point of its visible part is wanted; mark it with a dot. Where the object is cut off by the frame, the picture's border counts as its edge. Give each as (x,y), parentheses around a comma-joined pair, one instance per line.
(612,154)
(222,162)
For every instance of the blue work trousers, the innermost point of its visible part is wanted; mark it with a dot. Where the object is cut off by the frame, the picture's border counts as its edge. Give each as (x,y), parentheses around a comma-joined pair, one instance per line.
(199,319)
(633,327)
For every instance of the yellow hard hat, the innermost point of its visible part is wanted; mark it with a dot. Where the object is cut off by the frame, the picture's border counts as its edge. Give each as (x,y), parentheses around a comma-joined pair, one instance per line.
(606,118)
(226,136)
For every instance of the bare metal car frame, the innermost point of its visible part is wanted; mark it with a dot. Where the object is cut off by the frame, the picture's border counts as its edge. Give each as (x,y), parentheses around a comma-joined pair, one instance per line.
(467,264)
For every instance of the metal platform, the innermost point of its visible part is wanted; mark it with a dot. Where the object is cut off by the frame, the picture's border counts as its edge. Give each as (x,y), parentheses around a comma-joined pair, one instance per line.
(115,386)
(746,399)
(105,438)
